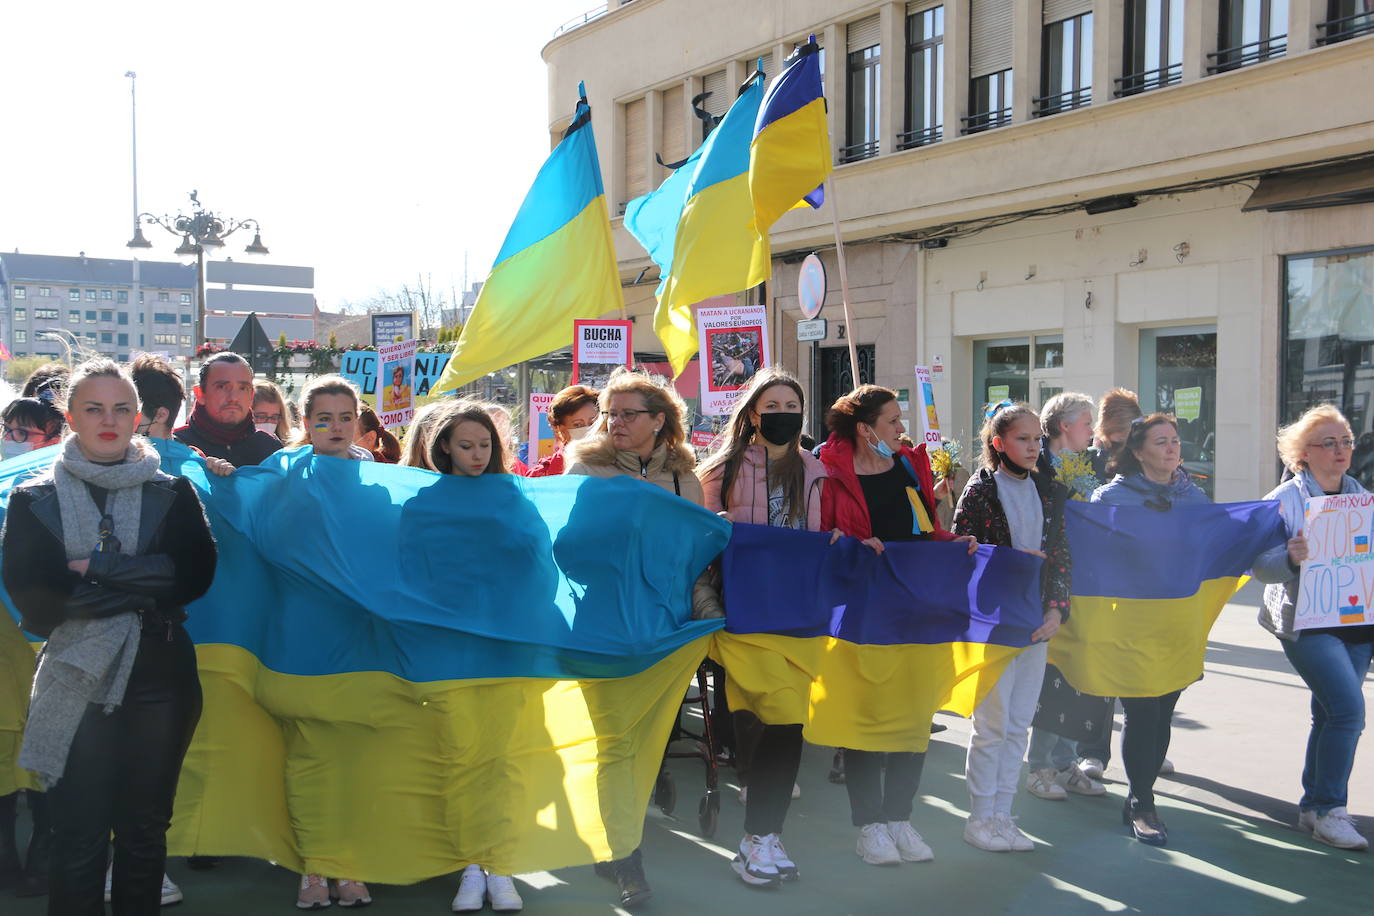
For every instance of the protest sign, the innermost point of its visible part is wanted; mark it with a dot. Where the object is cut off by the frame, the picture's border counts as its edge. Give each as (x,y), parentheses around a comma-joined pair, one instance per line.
(541,441)
(925,408)
(360,368)
(734,346)
(396,404)
(598,347)
(1337,583)
(392,328)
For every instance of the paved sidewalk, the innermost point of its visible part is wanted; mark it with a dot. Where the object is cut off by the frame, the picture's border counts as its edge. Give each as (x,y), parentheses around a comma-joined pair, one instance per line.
(1238,745)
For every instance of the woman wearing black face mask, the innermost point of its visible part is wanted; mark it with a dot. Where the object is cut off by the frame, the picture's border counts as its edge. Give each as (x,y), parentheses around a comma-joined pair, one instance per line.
(762,476)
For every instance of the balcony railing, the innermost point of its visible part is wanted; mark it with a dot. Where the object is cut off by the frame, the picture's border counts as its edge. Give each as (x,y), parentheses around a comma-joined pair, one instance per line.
(1064,101)
(922,137)
(1132,83)
(1347,27)
(1250,53)
(986,120)
(866,150)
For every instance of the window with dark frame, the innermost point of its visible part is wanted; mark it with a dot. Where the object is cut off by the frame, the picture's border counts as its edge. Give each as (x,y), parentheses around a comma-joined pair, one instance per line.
(861,104)
(1066,65)
(21,314)
(1346,19)
(925,78)
(1153,46)
(73,316)
(123,296)
(1249,31)
(989,103)
(45,314)
(21,292)
(45,291)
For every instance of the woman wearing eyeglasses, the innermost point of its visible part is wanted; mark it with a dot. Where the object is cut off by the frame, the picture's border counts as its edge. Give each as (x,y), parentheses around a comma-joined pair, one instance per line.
(1149,472)
(641,435)
(30,424)
(1332,661)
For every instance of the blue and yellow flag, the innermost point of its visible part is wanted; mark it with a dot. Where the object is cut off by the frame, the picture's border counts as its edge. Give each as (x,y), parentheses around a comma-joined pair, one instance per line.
(405,673)
(716,249)
(789,157)
(1147,587)
(862,649)
(557,264)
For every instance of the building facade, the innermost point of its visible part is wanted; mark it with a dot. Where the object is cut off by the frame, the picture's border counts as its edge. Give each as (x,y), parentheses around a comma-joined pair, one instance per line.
(1174,196)
(91,302)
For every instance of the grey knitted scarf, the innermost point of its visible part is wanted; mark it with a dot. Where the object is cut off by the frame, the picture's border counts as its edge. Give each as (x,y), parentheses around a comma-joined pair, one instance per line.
(86,660)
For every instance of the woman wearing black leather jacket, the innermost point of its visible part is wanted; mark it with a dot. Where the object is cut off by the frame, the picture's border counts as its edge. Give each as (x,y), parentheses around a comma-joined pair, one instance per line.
(100,557)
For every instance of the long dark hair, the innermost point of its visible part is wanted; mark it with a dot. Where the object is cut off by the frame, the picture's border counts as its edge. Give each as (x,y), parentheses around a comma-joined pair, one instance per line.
(787,472)
(1124,461)
(441,424)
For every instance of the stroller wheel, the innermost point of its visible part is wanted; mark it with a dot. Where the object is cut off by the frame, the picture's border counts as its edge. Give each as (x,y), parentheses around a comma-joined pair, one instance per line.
(665,792)
(708,812)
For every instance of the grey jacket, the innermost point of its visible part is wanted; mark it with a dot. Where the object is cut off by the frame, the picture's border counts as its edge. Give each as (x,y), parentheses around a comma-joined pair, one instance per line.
(1272,566)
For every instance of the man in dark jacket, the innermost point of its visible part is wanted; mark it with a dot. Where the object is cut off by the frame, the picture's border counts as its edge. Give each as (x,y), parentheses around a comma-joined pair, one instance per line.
(221,426)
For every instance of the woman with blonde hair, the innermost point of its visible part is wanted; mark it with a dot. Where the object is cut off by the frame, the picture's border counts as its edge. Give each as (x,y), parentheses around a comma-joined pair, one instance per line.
(270,411)
(415,446)
(642,436)
(1332,661)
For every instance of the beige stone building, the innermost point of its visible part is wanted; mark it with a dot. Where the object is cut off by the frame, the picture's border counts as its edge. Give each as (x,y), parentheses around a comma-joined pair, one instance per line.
(1175,196)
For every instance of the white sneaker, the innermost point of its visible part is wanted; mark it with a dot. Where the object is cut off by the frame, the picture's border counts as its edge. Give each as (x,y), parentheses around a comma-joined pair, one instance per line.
(503,895)
(753,864)
(875,846)
(911,846)
(744,795)
(1166,768)
(1337,828)
(1076,781)
(787,869)
(1307,821)
(1016,840)
(1043,784)
(983,833)
(472,890)
(1091,767)
(796,791)
(170,892)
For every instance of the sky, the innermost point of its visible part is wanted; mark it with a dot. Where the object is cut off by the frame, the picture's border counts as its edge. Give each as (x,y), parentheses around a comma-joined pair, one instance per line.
(375,142)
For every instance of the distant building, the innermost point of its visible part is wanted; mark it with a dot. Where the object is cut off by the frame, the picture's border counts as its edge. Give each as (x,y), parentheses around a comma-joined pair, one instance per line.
(459,316)
(93,300)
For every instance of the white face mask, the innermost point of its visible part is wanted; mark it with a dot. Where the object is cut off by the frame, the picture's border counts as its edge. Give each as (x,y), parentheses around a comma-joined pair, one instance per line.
(10,449)
(266,428)
(577,432)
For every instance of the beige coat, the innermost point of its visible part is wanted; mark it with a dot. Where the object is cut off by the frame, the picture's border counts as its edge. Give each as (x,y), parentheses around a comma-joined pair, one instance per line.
(596,456)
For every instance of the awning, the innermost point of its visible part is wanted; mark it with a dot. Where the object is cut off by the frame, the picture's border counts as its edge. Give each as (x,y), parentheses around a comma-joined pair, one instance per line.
(1331,186)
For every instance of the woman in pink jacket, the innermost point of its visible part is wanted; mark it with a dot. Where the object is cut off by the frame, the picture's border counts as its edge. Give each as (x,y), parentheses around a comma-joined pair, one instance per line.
(762,476)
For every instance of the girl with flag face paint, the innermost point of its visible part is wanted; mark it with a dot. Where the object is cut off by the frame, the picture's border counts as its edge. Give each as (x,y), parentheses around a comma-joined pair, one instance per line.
(880,490)
(762,476)
(1010,503)
(1333,662)
(1149,473)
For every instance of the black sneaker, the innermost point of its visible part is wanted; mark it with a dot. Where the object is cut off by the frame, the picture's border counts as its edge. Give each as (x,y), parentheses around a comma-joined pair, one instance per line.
(629,875)
(837,767)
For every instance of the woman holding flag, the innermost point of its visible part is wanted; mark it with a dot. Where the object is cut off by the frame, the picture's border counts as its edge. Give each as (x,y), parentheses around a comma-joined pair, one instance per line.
(762,476)
(1334,661)
(1149,473)
(880,490)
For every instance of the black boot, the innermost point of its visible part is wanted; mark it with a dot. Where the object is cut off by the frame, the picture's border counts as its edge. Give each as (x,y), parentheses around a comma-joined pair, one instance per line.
(837,767)
(39,855)
(629,875)
(10,868)
(1144,823)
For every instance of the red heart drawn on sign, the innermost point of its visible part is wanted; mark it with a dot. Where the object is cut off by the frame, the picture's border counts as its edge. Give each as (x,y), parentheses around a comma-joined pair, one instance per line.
(1353,600)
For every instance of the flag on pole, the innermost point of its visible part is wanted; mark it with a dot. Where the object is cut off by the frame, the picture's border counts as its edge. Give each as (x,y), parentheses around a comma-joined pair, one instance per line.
(557,264)
(789,157)
(715,249)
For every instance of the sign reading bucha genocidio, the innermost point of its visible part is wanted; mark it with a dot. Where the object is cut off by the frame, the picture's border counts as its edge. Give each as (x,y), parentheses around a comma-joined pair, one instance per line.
(1337,584)
(598,347)
(734,346)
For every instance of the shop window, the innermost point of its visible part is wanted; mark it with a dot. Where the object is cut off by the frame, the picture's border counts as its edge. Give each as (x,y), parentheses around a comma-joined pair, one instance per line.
(1004,371)
(1328,343)
(1178,375)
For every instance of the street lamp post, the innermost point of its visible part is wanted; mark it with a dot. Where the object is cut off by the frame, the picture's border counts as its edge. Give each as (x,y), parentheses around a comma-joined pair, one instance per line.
(202,230)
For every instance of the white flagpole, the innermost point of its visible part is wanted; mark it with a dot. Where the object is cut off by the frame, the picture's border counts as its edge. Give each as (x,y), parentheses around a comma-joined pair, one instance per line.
(833,204)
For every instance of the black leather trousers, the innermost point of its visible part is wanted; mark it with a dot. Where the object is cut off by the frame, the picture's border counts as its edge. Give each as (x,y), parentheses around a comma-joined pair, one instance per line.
(121,778)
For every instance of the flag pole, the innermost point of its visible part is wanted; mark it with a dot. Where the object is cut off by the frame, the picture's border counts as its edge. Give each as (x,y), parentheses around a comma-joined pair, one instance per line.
(844,279)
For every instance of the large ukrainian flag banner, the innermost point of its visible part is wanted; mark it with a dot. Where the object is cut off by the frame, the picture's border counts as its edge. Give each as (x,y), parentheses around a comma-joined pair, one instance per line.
(557,264)
(862,649)
(405,673)
(716,249)
(1147,587)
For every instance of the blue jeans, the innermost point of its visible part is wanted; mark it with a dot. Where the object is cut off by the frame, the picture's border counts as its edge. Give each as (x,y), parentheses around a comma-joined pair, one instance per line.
(1049,751)
(1335,672)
